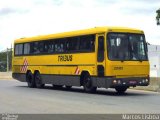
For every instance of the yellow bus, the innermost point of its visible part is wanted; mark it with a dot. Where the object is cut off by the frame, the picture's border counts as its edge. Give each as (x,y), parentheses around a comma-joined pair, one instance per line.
(100,57)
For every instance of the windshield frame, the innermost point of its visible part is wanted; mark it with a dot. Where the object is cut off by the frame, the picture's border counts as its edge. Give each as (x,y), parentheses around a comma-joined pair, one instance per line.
(127,34)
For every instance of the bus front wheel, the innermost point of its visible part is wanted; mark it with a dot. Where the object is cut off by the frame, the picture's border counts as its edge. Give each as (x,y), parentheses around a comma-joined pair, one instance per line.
(88,85)
(30,80)
(121,89)
(38,80)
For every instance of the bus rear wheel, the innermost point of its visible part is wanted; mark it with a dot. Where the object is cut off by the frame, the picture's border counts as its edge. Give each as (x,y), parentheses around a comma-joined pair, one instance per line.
(88,85)
(121,89)
(30,80)
(38,80)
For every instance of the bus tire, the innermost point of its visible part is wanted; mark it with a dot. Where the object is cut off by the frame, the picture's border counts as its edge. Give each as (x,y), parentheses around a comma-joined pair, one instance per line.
(88,85)
(121,89)
(38,80)
(30,80)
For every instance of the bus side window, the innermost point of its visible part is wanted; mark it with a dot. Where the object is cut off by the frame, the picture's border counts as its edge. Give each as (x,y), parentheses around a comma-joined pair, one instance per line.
(41,47)
(87,43)
(92,43)
(36,48)
(16,50)
(31,48)
(72,44)
(46,43)
(51,48)
(26,48)
(19,49)
(83,44)
(59,46)
(56,47)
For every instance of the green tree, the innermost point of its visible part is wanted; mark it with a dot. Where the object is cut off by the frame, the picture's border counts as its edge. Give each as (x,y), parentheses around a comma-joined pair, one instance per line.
(158,16)
(3,60)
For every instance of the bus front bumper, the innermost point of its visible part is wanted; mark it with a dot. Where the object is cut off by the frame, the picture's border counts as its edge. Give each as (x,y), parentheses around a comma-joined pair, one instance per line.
(114,82)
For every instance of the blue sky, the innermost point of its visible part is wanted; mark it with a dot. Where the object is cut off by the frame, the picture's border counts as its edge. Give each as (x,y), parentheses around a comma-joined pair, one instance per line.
(24,18)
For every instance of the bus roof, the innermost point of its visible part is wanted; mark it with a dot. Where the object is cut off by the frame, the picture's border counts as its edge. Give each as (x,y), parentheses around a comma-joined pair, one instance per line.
(79,33)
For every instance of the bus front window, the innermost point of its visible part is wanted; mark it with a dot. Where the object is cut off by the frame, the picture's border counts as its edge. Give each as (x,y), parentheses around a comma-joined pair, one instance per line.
(126,47)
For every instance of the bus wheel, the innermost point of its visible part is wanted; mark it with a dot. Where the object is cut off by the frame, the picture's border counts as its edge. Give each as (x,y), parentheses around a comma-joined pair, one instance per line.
(87,84)
(38,80)
(121,89)
(30,80)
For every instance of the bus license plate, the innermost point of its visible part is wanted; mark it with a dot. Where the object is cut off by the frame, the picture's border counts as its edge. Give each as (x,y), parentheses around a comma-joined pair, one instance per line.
(132,82)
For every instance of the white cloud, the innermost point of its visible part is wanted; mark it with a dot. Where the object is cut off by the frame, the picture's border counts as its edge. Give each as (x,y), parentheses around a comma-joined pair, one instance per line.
(36,17)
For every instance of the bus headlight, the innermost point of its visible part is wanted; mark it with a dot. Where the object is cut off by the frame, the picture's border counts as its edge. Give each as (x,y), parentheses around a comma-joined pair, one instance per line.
(117,82)
(114,81)
(147,80)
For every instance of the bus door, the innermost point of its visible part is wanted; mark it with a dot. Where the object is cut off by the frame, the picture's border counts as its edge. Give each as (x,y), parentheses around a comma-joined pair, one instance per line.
(101,56)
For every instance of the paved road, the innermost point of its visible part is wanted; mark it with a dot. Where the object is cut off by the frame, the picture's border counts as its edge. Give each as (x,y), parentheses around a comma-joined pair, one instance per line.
(16,97)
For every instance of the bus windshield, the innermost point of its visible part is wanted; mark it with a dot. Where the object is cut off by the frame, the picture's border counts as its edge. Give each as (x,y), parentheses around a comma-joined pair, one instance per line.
(127,47)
